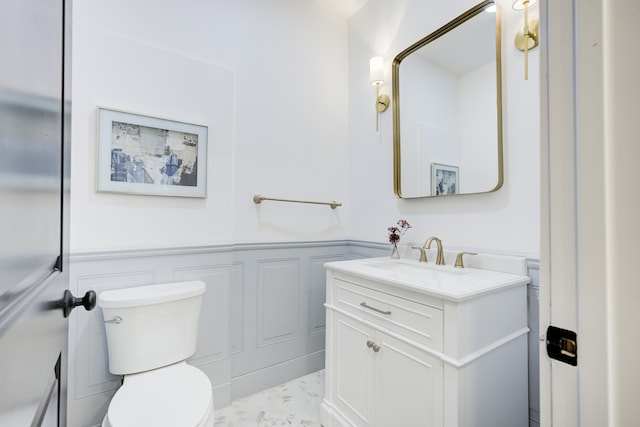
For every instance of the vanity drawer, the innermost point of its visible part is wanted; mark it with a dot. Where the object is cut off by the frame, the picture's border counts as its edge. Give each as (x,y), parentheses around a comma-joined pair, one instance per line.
(420,322)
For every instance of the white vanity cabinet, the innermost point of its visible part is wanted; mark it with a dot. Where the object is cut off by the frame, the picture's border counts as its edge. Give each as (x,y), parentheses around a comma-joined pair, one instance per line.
(374,369)
(404,354)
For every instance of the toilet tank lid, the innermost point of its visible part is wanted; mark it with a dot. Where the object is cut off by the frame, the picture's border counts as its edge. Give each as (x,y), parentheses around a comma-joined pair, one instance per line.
(150,294)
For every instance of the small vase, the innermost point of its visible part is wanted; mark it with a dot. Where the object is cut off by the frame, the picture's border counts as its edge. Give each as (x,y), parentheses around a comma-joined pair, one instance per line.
(394,252)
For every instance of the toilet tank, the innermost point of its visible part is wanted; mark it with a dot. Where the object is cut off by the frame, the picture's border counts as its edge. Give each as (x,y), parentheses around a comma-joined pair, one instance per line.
(151,326)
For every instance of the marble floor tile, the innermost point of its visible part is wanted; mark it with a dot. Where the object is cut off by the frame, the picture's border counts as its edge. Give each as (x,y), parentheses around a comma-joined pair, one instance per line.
(295,403)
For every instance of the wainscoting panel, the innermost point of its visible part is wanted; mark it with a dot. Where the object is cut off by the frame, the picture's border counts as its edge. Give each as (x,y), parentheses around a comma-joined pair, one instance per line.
(317,293)
(282,288)
(262,321)
(359,249)
(533,300)
(213,343)
(236,329)
(278,294)
(91,386)
(256,322)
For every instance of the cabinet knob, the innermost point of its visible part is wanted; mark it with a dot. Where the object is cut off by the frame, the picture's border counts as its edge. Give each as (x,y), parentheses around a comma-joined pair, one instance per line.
(375,347)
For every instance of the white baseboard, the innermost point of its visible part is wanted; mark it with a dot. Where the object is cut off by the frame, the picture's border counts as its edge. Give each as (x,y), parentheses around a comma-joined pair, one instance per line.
(271,376)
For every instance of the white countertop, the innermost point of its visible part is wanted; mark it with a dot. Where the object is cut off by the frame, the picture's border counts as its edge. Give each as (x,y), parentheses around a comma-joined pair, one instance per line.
(443,281)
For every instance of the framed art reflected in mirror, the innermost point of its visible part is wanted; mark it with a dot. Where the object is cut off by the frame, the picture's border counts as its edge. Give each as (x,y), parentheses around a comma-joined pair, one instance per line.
(445,180)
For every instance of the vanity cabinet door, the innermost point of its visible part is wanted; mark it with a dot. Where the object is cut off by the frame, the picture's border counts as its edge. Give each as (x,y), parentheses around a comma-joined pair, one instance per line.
(409,385)
(353,373)
(382,381)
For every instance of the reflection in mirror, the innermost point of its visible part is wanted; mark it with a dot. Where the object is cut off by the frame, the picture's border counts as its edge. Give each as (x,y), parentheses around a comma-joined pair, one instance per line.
(447,119)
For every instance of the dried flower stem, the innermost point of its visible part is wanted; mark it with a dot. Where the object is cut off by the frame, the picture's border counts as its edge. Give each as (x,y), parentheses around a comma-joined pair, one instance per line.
(396,231)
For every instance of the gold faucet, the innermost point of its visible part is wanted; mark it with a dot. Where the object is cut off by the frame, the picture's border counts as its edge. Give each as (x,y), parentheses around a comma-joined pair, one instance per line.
(427,245)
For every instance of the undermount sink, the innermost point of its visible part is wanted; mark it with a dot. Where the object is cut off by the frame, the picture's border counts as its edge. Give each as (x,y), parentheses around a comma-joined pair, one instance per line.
(418,270)
(444,281)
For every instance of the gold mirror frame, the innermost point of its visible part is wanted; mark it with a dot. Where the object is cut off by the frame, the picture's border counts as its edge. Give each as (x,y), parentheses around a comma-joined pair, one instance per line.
(456,22)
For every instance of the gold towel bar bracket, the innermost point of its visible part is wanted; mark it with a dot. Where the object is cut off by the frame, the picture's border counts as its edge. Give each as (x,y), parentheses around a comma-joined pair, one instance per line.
(257,199)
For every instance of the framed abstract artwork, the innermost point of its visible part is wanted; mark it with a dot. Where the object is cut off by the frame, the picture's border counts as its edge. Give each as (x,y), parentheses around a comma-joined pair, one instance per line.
(139,154)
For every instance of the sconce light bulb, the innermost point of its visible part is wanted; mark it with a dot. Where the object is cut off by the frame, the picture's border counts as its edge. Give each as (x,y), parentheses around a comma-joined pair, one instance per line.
(376,70)
(376,77)
(521,4)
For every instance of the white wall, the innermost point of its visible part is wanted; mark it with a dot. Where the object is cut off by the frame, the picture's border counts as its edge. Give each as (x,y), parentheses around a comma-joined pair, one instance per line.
(284,90)
(504,221)
(269,79)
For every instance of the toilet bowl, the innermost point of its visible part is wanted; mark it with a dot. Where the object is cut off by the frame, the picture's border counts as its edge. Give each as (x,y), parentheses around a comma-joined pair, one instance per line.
(151,331)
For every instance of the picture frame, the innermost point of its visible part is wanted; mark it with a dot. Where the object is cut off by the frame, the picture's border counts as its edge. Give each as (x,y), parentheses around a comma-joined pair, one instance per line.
(146,155)
(445,180)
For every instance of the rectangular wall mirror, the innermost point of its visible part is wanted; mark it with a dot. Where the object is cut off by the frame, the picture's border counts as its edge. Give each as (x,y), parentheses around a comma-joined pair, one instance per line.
(447,109)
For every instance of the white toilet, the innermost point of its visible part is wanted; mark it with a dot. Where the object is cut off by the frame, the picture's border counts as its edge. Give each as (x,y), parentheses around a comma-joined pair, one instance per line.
(151,331)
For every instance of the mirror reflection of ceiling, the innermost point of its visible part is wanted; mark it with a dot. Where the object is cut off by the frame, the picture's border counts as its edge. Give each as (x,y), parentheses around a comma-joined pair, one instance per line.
(478,34)
(344,8)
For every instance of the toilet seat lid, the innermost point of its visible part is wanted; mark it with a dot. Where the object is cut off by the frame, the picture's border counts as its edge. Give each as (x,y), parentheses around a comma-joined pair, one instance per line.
(177,395)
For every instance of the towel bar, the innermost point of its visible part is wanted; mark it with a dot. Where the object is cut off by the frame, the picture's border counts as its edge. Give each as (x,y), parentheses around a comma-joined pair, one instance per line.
(257,199)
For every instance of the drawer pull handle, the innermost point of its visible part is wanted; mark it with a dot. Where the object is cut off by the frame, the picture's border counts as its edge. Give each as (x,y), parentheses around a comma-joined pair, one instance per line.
(364,304)
(370,343)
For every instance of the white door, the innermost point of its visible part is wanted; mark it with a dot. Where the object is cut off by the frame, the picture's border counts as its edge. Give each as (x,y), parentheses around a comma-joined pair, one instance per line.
(353,373)
(417,376)
(590,209)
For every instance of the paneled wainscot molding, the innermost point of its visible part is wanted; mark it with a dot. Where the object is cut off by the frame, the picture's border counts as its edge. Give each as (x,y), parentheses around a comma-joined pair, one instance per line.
(262,321)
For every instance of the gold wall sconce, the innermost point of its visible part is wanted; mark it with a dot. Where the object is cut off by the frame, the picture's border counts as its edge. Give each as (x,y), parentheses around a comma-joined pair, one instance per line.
(527,37)
(376,73)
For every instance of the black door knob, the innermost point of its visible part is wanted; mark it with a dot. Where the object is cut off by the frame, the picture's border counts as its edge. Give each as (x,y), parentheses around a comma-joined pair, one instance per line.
(69,302)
